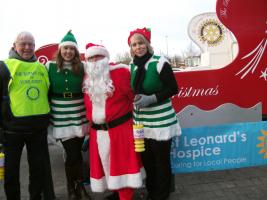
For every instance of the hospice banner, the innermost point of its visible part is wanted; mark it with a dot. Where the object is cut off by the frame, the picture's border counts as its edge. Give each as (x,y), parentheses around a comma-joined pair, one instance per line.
(220,147)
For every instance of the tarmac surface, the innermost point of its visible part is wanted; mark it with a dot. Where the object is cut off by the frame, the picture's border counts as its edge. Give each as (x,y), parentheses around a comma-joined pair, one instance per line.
(237,184)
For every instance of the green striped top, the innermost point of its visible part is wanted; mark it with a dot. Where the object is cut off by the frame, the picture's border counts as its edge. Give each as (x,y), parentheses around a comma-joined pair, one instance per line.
(159,120)
(68,114)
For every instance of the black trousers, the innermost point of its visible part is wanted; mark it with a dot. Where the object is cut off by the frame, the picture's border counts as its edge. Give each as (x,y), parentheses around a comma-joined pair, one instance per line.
(36,145)
(49,192)
(73,148)
(156,160)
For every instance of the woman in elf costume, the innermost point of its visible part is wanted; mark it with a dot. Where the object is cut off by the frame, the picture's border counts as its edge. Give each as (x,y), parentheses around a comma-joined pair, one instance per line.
(68,120)
(154,84)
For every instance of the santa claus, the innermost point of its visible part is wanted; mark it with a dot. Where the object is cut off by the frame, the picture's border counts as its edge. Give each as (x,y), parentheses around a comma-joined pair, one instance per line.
(114,164)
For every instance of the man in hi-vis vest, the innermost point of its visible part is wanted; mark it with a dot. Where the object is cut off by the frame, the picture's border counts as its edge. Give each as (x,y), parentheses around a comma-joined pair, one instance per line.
(24,116)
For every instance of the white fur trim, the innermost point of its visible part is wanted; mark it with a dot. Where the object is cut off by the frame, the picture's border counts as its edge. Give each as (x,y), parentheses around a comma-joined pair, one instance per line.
(70,131)
(163,134)
(98,185)
(127,180)
(103,143)
(96,50)
(68,43)
(162,60)
(98,111)
(112,182)
(47,64)
(117,182)
(118,66)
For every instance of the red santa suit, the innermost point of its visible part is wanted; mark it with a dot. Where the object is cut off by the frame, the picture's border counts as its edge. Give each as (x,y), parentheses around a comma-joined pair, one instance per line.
(114,164)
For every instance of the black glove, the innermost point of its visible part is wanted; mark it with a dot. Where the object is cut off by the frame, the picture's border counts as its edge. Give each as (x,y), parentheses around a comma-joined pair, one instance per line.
(142,101)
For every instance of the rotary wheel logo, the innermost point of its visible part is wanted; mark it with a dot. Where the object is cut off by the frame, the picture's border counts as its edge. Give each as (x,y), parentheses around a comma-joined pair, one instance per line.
(33,93)
(211,32)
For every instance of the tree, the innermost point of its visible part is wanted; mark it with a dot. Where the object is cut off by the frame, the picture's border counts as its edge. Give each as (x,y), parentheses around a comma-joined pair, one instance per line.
(176,61)
(124,58)
(191,51)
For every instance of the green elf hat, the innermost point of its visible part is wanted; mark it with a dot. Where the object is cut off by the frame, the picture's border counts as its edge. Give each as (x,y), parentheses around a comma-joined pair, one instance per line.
(68,39)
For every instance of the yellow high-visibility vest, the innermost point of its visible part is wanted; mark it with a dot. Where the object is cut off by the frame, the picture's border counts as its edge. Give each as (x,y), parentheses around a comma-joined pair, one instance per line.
(28,88)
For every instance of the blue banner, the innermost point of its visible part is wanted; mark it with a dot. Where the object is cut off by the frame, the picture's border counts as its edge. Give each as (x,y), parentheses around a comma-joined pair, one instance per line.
(220,147)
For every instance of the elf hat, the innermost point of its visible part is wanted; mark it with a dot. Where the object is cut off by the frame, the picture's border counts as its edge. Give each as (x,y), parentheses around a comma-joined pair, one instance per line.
(146,32)
(95,49)
(68,39)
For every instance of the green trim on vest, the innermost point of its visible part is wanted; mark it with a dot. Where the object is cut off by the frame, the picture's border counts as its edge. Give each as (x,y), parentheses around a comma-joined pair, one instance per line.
(28,88)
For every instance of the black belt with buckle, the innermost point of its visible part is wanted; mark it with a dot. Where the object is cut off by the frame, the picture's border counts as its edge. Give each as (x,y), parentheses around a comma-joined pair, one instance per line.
(67,95)
(112,123)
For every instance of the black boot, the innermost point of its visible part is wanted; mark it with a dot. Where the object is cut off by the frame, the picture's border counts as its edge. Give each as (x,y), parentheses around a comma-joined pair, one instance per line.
(112,196)
(80,190)
(70,175)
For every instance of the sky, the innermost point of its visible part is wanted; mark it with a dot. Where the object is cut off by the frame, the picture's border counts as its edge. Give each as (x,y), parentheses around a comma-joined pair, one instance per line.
(102,22)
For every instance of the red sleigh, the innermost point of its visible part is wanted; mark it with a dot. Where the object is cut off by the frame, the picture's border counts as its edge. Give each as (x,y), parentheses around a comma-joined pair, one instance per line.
(242,83)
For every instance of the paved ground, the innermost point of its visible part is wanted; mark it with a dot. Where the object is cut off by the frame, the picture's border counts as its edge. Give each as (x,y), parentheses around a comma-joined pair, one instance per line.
(238,184)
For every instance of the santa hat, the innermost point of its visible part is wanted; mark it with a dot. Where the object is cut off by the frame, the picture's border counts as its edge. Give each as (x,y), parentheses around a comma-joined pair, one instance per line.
(68,39)
(146,32)
(95,49)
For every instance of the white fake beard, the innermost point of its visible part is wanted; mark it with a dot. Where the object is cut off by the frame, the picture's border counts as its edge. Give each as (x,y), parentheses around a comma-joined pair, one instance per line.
(98,84)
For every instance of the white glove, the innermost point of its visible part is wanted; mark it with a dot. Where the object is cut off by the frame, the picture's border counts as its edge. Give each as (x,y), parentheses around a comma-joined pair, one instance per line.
(142,101)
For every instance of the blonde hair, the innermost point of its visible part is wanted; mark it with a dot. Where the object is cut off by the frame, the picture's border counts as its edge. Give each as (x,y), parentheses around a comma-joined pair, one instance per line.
(140,37)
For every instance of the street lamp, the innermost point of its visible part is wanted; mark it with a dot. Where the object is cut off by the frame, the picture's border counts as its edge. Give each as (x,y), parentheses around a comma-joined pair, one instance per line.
(167,48)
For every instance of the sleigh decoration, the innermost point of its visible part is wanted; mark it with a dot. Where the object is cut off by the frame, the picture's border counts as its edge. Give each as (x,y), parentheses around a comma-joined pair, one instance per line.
(236,92)
(233,93)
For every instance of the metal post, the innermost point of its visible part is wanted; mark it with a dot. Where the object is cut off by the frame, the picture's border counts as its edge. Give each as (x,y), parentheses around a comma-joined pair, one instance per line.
(167,48)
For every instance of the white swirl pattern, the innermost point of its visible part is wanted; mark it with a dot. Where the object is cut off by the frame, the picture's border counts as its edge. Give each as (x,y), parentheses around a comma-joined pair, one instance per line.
(42,59)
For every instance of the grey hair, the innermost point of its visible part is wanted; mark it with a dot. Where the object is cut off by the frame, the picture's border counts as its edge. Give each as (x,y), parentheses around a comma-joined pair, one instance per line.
(24,34)
(143,39)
